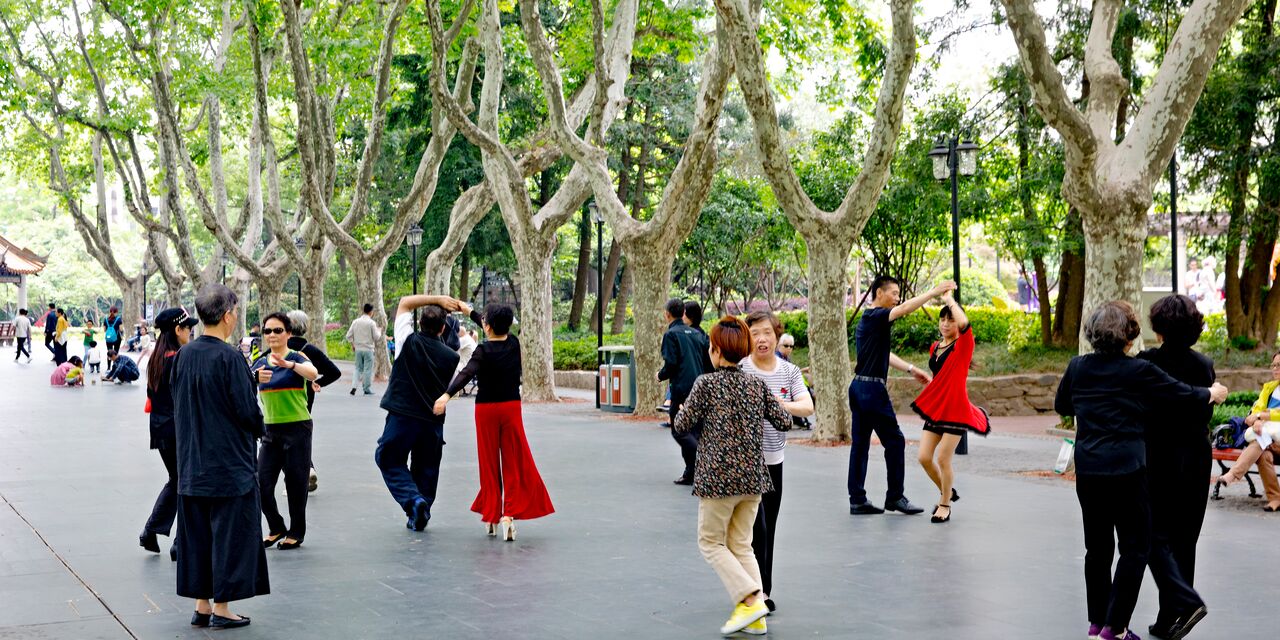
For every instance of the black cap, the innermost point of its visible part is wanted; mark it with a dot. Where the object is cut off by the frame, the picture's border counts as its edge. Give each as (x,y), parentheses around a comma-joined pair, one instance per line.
(171,319)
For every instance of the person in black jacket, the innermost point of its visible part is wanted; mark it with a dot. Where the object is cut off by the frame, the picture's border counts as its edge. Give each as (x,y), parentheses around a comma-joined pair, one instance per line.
(423,367)
(1179,458)
(685,356)
(175,330)
(1112,397)
(329,372)
(217,422)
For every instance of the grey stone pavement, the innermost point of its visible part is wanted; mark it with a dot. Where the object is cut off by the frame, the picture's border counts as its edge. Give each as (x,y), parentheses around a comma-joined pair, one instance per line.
(618,558)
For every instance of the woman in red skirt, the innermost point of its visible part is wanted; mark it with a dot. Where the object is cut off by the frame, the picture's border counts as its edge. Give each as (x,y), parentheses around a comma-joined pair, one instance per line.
(510,487)
(944,403)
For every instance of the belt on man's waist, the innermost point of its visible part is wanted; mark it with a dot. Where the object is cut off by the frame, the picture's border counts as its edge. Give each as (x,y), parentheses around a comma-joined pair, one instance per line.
(871,379)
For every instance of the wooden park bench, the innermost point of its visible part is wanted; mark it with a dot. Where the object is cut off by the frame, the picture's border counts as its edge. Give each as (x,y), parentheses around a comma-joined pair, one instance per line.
(8,333)
(1223,456)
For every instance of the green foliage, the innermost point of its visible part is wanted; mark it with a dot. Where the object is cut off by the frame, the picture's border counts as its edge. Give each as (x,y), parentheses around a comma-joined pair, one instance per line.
(578,353)
(978,288)
(1223,413)
(338,347)
(1241,397)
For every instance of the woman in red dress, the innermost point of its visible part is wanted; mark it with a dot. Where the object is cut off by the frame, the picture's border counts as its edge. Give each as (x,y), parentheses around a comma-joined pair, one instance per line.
(944,404)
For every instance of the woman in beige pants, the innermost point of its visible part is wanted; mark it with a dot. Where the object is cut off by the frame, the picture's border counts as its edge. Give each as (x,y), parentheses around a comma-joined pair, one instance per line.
(730,473)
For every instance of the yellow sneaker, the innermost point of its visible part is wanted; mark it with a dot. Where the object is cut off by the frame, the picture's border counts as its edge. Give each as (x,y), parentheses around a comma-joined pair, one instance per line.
(756,628)
(744,615)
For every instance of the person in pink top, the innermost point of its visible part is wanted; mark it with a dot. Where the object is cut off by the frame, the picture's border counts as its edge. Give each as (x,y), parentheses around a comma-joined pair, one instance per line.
(68,374)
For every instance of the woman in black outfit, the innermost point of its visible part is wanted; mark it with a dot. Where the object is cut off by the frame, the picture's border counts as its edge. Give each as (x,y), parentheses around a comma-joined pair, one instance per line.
(1179,458)
(329,372)
(1112,397)
(175,330)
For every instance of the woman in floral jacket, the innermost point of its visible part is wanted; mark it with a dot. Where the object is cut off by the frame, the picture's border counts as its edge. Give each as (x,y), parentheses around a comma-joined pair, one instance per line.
(730,475)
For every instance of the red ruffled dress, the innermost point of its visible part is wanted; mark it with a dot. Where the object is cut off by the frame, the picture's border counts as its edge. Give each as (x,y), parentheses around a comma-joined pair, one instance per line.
(945,401)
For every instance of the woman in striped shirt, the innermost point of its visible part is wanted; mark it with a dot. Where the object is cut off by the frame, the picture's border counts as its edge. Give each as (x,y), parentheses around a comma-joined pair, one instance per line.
(786,383)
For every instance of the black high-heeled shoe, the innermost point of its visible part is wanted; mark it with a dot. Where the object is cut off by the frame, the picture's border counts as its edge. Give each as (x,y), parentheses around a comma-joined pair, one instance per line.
(937,520)
(954,496)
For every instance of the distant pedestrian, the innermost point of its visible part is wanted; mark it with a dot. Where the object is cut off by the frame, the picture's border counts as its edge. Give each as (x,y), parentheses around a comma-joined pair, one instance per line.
(364,334)
(466,347)
(329,372)
(728,407)
(112,330)
(68,374)
(175,331)
(944,404)
(684,357)
(22,335)
(413,430)
(1112,397)
(121,368)
(869,404)
(284,376)
(50,330)
(693,318)
(61,327)
(216,421)
(510,486)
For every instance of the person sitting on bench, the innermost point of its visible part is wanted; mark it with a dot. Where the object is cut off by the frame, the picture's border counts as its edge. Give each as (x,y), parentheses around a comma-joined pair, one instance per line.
(1263,436)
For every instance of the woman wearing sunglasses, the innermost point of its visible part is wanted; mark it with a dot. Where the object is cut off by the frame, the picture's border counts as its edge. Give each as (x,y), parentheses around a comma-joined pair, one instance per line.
(283,377)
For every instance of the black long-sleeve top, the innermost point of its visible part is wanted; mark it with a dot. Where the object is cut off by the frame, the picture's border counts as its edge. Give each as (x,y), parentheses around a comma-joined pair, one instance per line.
(684,358)
(1113,398)
(1184,422)
(216,418)
(161,398)
(329,372)
(495,364)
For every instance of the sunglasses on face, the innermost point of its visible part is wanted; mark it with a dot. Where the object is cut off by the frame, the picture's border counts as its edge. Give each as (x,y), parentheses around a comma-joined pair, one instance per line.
(270,330)
(786,346)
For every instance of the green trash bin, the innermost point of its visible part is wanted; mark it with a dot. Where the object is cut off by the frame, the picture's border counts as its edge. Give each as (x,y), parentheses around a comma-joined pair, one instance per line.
(616,380)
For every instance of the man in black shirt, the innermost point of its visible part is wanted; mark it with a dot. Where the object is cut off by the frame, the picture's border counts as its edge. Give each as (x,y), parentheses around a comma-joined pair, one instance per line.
(217,423)
(685,357)
(421,372)
(869,404)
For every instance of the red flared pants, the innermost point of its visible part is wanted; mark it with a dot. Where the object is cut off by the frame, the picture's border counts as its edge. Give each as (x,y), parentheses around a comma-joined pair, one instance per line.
(509,481)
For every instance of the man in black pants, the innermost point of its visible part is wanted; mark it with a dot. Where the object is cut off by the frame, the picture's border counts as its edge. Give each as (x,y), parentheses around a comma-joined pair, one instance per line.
(685,357)
(50,327)
(421,372)
(869,403)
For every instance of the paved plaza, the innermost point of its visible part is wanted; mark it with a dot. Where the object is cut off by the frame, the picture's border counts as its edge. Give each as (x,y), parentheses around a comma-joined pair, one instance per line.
(618,559)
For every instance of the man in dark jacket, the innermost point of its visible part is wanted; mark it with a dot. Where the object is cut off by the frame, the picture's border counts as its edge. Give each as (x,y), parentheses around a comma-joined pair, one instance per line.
(685,357)
(217,422)
(420,374)
(50,327)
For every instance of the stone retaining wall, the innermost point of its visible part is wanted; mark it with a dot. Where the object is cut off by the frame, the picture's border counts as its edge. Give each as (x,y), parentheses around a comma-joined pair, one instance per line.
(1016,395)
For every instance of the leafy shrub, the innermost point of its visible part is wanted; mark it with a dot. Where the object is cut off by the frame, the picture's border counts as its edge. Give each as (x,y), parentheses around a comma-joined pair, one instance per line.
(1214,337)
(579,354)
(338,347)
(977,287)
(1241,397)
(1225,412)
(796,323)
(1243,343)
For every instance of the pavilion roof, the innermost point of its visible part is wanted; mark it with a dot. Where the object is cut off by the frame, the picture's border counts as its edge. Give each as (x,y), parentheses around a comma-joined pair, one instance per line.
(18,259)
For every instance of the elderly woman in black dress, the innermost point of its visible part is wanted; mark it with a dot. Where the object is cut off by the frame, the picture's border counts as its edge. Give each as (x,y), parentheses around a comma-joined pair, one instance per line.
(1112,397)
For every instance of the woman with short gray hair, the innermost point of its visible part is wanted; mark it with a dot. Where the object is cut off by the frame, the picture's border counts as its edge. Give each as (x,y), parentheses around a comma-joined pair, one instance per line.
(1111,396)
(329,372)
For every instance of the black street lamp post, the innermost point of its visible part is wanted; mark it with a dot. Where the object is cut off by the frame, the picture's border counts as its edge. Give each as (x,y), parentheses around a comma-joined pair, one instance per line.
(952,159)
(414,237)
(599,221)
(301,245)
(143,310)
(1173,221)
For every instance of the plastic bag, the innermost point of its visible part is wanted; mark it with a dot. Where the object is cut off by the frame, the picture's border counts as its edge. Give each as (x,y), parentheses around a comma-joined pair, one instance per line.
(1066,456)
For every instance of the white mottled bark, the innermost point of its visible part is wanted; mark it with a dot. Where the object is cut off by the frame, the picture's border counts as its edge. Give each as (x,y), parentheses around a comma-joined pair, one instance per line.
(1111,184)
(828,235)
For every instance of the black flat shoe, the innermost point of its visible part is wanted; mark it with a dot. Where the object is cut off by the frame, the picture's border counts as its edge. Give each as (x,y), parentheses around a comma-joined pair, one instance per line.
(865,509)
(173,554)
(1184,623)
(271,540)
(421,515)
(954,496)
(936,519)
(286,545)
(148,541)
(768,602)
(682,480)
(218,622)
(903,506)
(200,619)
